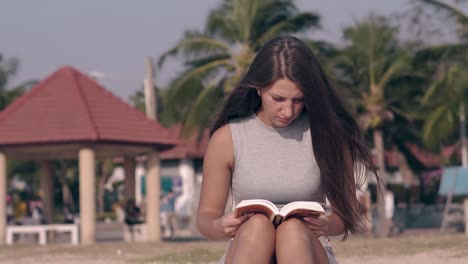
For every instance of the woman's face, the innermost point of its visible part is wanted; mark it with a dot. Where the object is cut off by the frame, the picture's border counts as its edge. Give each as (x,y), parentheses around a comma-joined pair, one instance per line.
(281,103)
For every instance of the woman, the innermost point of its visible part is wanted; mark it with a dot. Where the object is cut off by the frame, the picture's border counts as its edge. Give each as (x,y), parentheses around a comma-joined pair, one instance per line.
(282,135)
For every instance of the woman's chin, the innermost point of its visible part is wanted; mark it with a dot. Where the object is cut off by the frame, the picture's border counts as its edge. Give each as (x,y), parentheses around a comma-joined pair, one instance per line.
(280,124)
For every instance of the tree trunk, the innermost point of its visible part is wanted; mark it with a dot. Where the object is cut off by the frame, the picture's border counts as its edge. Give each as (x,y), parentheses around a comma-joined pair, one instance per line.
(380,154)
(150,92)
(464,147)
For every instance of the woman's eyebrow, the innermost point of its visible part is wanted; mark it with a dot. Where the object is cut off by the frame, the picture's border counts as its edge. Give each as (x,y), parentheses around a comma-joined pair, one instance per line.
(276,95)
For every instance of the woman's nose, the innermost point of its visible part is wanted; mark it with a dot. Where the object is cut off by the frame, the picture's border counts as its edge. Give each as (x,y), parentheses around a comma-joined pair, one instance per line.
(288,110)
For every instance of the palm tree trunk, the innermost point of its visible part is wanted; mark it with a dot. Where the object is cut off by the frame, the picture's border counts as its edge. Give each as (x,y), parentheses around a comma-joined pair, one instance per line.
(464,148)
(379,145)
(149,91)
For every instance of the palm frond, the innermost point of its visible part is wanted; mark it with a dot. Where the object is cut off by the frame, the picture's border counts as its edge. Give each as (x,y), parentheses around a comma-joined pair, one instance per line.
(206,60)
(449,88)
(397,68)
(435,91)
(221,24)
(186,87)
(451,10)
(438,125)
(406,115)
(179,99)
(296,24)
(206,70)
(194,45)
(272,12)
(436,53)
(203,110)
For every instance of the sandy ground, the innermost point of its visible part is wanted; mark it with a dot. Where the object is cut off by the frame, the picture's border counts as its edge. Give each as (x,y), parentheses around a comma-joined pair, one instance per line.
(423,248)
(419,248)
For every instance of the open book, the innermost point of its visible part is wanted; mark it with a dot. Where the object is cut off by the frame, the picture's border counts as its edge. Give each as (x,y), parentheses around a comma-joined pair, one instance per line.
(293,209)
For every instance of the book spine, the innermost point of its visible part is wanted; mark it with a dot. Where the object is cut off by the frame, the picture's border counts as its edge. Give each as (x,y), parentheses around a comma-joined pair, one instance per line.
(277,220)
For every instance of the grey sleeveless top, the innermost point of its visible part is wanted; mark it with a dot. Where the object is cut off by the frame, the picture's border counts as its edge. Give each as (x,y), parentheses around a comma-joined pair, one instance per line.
(276,164)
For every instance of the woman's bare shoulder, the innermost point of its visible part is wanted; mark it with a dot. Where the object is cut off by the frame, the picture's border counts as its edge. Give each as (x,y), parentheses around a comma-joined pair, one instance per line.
(220,145)
(222,136)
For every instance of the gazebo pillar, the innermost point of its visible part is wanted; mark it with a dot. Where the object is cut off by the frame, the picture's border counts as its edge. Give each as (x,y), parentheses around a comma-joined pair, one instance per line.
(47,189)
(3,189)
(129,166)
(153,193)
(87,196)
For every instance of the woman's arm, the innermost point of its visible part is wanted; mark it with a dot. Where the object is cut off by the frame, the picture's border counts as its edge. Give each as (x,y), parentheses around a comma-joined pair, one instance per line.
(217,167)
(335,225)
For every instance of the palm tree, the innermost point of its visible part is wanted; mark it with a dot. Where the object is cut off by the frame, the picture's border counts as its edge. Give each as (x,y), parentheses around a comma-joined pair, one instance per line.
(7,69)
(447,97)
(216,58)
(137,99)
(449,105)
(369,65)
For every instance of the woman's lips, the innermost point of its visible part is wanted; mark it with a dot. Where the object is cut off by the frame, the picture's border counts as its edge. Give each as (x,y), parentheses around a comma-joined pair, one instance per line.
(284,120)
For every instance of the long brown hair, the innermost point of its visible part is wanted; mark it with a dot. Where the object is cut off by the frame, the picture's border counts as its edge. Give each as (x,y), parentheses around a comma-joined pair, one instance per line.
(337,141)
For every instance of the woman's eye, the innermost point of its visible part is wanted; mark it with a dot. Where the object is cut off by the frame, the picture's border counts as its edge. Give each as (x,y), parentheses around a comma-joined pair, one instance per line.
(300,100)
(278,99)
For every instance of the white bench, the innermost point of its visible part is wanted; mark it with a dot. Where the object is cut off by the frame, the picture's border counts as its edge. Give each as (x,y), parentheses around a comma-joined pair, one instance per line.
(41,230)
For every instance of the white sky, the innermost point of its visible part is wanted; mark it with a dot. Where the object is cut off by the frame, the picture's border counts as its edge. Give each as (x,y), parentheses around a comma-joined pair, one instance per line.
(115,36)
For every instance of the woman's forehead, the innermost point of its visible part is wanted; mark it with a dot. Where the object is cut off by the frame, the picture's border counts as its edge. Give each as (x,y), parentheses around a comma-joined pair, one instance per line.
(285,87)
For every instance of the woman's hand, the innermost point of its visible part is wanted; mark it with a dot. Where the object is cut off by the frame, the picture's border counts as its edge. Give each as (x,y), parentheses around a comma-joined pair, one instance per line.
(229,223)
(318,225)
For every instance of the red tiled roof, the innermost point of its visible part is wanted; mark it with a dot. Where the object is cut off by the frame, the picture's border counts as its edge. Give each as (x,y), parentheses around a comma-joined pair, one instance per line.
(188,148)
(68,106)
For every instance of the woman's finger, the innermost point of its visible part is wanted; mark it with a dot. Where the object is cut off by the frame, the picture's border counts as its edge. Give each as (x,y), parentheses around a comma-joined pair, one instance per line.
(230,229)
(316,221)
(317,228)
(242,218)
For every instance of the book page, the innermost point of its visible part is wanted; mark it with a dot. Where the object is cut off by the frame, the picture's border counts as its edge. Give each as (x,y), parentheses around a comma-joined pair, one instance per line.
(302,209)
(256,206)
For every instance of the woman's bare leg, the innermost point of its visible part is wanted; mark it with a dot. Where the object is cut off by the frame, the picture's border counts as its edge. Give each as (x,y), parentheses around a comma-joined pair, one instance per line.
(254,242)
(295,243)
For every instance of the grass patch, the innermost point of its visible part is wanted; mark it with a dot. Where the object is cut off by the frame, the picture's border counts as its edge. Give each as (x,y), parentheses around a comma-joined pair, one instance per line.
(441,248)
(197,255)
(405,245)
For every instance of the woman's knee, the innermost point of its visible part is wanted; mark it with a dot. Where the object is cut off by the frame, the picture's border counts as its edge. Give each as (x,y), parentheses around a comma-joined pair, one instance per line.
(258,226)
(294,228)
(291,225)
(294,239)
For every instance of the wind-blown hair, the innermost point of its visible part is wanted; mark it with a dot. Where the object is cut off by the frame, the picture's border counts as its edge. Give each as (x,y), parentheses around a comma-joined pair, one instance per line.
(337,140)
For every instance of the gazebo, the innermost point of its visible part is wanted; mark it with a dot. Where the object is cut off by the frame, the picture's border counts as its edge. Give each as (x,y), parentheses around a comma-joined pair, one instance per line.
(69,116)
